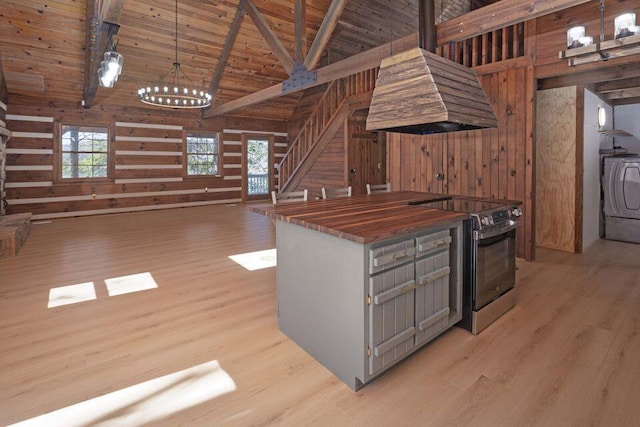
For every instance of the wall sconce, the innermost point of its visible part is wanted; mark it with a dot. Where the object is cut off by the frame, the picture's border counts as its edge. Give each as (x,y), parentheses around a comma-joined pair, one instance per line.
(111,66)
(582,50)
(602,116)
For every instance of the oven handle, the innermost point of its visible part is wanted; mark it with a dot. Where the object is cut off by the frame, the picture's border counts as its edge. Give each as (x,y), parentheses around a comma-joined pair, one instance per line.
(479,235)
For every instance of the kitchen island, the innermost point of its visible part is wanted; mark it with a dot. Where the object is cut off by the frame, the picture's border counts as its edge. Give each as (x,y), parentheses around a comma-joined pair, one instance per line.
(363,282)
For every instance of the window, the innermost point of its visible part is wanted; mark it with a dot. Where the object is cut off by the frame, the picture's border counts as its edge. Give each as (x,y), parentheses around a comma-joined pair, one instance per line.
(202,154)
(84,152)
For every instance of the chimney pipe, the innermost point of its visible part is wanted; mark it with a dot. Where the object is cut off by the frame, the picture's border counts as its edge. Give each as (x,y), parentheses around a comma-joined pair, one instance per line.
(427,25)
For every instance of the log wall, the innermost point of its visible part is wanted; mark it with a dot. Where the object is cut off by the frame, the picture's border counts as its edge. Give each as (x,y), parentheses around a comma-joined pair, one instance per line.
(4,99)
(148,172)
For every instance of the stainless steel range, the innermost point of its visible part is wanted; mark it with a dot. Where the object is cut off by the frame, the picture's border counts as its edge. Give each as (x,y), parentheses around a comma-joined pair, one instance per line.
(490,257)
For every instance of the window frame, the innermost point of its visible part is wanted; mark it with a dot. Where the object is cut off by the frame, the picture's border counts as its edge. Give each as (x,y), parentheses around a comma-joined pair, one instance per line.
(185,155)
(58,154)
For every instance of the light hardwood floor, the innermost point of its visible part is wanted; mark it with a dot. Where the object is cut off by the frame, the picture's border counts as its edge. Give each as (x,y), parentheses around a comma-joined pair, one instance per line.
(567,355)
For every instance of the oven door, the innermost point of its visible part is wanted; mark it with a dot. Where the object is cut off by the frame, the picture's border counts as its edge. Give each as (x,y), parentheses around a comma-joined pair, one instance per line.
(495,267)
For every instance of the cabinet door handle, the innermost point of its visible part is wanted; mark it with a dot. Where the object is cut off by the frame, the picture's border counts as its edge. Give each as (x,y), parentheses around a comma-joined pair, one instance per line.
(430,278)
(387,345)
(424,324)
(385,259)
(404,254)
(409,288)
(387,295)
(435,244)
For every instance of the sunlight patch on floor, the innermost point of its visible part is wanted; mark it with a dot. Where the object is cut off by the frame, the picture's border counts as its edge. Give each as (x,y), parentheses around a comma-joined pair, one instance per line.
(72,294)
(256,260)
(129,284)
(144,403)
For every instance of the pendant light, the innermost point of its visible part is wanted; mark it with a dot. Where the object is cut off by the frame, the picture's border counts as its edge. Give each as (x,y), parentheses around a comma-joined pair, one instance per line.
(175,89)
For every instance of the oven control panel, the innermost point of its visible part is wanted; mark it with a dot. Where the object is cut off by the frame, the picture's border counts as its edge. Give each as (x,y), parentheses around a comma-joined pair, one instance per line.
(492,218)
(500,216)
(495,222)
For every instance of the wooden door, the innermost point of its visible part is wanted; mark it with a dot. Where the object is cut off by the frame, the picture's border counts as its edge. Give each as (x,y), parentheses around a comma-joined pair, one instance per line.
(366,154)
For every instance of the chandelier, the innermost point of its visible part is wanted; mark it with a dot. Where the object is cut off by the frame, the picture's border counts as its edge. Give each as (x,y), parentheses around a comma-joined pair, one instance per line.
(174,89)
(581,49)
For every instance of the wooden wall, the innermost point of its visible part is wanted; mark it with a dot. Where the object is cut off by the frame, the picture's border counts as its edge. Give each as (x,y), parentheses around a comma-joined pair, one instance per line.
(148,160)
(308,102)
(352,147)
(3,135)
(496,163)
(559,169)
(330,168)
(366,155)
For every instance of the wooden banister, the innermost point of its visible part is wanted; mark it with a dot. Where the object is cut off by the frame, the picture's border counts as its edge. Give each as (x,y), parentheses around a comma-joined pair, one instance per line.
(320,119)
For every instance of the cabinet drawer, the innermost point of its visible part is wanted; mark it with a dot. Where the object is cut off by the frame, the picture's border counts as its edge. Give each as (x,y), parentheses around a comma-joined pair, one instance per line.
(390,256)
(431,243)
(432,296)
(391,317)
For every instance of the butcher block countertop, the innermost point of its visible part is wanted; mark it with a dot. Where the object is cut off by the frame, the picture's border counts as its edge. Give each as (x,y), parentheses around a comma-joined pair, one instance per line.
(363,219)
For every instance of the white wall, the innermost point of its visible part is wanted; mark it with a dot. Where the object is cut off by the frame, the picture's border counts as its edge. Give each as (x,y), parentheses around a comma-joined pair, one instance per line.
(591,180)
(627,117)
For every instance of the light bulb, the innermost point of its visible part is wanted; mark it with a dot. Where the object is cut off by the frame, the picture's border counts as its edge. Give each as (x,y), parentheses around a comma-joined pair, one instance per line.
(573,36)
(624,25)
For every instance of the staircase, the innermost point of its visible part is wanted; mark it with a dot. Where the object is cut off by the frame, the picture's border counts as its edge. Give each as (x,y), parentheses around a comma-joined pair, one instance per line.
(342,97)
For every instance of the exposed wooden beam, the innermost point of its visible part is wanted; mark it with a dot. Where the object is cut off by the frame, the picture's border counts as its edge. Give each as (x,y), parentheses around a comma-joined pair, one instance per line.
(111,10)
(300,8)
(324,33)
(611,73)
(497,15)
(4,93)
(631,92)
(360,62)
(100,16)
(270,37)
(617,85)
(226,50)
(626,101)
(91,45)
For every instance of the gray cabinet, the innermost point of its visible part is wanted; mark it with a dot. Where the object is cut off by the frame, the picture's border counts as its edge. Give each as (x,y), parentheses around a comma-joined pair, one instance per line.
(409,304)
(391,317)
(359,309)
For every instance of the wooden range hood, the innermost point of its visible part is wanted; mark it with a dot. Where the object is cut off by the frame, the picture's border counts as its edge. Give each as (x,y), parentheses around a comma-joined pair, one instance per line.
(419,92)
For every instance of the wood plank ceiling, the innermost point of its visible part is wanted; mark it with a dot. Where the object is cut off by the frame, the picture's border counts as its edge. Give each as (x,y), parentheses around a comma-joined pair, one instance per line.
(42,45)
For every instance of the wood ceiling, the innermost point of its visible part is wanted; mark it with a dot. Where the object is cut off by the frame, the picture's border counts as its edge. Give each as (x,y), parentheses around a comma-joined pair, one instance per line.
(42,43)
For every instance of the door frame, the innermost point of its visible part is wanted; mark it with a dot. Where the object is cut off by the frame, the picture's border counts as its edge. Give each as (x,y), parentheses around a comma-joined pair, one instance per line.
(245,169)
